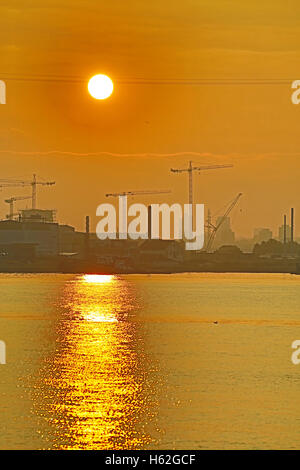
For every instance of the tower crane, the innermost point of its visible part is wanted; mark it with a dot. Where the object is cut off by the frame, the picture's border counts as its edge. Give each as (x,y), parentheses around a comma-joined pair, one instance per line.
(11,204)
(192,168)
(214,228)
(134,193)
(11,183)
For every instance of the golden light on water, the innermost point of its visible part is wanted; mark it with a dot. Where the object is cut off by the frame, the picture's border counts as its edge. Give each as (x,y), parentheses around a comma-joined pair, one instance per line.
(100,87)
(139,363)
(93,393)
(98,278)
(95,312)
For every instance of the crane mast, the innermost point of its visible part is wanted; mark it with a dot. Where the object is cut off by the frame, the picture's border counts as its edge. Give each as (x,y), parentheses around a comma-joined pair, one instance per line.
(190,169)
(11,204)
(8,183)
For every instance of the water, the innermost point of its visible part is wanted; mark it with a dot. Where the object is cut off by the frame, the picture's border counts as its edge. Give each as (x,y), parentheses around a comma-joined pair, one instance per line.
(137,362)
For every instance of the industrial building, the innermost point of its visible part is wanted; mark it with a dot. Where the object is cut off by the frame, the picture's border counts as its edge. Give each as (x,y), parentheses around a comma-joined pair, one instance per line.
(43,236)
(36,227)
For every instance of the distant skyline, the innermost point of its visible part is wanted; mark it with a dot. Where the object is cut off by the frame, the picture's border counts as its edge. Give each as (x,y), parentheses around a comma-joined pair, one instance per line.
(55,129)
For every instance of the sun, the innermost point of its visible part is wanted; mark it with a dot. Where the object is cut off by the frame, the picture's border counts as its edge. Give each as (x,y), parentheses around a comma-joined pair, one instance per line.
(100,87)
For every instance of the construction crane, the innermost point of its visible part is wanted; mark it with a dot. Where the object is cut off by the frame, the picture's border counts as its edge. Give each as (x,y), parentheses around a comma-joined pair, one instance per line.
(11,204)
(192,168)
(214,228)
(134,193)
(8,183)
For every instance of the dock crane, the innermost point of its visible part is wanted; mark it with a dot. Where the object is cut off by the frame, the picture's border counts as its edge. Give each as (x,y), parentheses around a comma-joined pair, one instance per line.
(11,204)
(214,228)
(11,183)
(192,168)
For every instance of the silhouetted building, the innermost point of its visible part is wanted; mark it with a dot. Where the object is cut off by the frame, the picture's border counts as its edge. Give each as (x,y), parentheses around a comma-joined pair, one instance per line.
(69,241)
(224,234)
(17,251)
(43,235)
(159,254)
(262,235)
(37,215)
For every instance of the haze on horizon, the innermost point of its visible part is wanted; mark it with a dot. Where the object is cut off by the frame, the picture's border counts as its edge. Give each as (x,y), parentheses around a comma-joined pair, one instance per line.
(255,127)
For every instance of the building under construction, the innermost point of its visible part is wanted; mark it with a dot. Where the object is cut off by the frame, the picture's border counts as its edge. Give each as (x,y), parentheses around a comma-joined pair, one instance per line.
(34,232)
(48,237)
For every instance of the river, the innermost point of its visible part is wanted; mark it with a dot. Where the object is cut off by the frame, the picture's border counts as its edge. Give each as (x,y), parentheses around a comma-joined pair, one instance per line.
(183,361)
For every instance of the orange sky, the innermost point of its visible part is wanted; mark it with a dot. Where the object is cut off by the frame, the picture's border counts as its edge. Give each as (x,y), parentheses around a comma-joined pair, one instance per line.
(256,127)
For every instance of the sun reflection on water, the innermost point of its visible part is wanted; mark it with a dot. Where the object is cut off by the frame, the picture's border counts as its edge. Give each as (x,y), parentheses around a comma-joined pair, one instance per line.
(97,278)
(95,388)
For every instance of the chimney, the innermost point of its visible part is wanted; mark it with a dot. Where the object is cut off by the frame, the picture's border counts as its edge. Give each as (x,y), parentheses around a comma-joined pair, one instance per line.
(87,224)
(87,236)
(292,224)
(284,229)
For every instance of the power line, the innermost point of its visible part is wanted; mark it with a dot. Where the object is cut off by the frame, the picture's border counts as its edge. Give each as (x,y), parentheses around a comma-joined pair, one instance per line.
(149,81)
